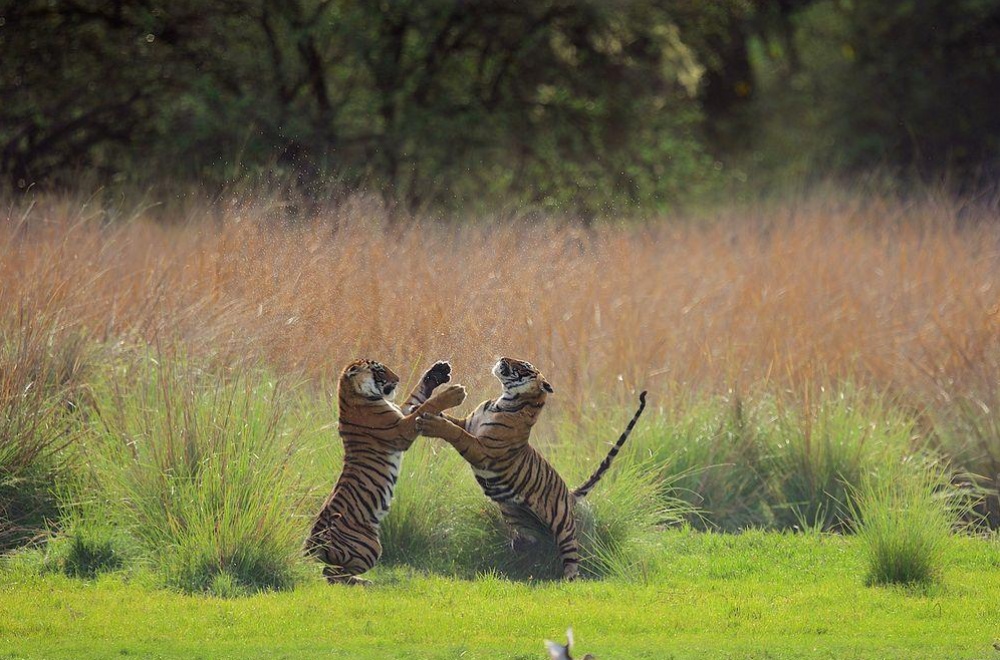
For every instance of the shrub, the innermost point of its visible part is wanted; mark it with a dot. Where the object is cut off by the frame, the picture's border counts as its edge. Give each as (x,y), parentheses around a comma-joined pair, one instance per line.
(92,550)
(39,371)
(904,516)
(430,517)
(968,431)
(820,455)
(197,469)
(709,454)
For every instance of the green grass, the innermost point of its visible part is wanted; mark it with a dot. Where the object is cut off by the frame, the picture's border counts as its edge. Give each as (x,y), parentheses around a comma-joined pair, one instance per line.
(754,595)
(904,517)
(213,477)
(819,455)
(709,452)
(197,470)
(39,381)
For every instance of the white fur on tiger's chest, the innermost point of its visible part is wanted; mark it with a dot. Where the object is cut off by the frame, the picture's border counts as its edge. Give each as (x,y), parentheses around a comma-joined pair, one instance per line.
(395,460)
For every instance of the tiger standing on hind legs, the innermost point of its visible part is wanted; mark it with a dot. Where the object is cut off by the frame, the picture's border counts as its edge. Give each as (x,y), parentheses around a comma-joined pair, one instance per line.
(375,433)
(494,441)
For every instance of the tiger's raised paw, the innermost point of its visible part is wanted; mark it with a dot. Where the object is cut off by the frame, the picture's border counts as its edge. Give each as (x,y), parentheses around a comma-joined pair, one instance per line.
(451,396)
(438,374)
(434,426)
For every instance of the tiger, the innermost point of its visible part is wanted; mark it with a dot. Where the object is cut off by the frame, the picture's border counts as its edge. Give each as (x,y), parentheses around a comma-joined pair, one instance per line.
(375,433)
(493,439)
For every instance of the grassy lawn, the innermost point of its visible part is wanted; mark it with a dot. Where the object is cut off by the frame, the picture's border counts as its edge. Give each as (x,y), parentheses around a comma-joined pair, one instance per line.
(756,595)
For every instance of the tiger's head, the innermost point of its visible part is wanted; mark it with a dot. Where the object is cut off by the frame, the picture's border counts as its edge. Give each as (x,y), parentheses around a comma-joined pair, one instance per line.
(370,379)
(519,377)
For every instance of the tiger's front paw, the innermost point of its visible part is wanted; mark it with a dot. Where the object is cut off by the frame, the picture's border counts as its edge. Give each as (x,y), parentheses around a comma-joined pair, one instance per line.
(451,396)
(438,374)
(434,426)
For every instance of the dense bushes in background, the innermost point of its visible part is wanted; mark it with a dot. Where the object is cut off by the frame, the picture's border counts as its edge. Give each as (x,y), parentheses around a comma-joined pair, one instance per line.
(584,107)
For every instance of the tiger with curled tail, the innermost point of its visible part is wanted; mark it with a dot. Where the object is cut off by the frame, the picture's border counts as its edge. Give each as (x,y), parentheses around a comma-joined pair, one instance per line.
(375,433)
(494,441)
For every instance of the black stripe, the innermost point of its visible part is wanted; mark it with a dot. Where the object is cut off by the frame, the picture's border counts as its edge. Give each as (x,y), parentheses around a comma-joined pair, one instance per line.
(606,463)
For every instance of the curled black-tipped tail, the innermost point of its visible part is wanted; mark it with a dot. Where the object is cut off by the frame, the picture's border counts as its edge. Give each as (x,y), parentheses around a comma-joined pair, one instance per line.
(589,484)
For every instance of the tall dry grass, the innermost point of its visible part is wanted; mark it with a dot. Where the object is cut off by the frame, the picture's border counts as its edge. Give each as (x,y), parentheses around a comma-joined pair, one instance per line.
(900,296)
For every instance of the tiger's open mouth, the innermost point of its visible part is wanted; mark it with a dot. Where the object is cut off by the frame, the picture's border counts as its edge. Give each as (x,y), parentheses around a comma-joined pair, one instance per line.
(388,389)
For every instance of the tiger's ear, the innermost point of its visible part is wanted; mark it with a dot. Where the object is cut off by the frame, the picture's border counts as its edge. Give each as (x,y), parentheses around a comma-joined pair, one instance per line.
(354,369)
(547,387)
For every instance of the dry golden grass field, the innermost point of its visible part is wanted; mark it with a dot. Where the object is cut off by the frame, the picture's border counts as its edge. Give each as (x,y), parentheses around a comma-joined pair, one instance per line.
(900,296)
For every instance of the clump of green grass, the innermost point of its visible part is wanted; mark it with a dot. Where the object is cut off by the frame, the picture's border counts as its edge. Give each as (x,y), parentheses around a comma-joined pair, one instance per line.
(905,512)
(618,523)
(92,550)
(709,453)
(821,453)
(198,470)
(967,430)
(39,374)
(429,517)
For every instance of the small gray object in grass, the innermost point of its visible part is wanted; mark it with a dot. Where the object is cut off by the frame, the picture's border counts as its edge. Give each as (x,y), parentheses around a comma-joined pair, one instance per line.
(560,652)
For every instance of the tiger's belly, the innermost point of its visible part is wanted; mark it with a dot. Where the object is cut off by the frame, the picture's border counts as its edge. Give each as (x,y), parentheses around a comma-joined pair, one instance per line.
(395,464)
(496,487)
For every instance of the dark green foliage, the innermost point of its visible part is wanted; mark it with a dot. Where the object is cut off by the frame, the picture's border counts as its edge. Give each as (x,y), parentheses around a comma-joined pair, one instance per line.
(93,550)
(926,75)
(554,102)
(581,107)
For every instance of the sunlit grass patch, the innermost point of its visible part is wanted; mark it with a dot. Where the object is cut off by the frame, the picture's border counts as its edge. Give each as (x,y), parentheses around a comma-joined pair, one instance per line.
(818,455)
(197,470)
(905,512)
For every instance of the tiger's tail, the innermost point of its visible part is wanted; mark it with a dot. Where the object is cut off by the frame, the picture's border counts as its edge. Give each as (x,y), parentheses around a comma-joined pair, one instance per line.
(589,484)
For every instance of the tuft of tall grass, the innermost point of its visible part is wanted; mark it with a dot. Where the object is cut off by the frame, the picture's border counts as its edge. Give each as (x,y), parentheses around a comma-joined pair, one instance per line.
(709,452)
(429,521)
(88,549)
(967,430)
(904,515)
(198,469)
(820,454)
(40,370)
(618,523)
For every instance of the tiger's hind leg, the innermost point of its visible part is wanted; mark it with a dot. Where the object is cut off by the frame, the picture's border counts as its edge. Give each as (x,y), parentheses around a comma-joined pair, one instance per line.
(524,527)
(336,575)
(347,554)
(563,527)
